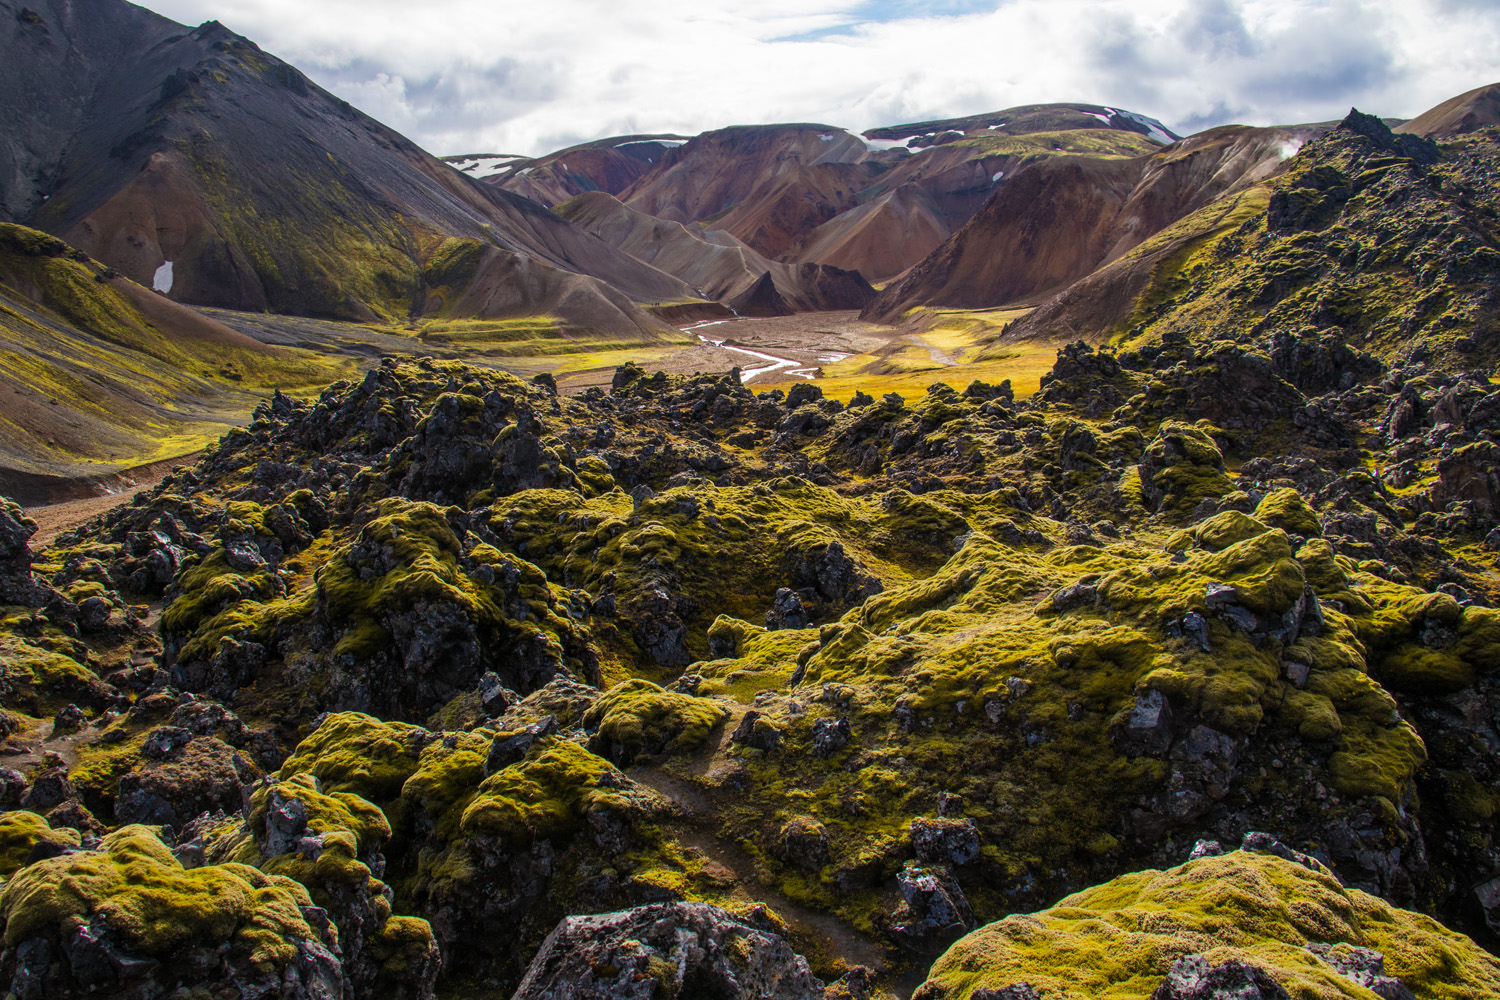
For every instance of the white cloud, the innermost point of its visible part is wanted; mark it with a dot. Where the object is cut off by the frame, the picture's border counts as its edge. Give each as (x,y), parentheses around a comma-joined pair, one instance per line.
(462,76)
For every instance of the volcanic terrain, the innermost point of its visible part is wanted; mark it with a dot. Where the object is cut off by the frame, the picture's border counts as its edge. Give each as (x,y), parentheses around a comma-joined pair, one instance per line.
(1031,555)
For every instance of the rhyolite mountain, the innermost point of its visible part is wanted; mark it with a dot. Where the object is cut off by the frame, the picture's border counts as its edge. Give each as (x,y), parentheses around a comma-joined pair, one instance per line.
(717,265)
(809,193)
(1059,219)
(143,142)
(1381,237)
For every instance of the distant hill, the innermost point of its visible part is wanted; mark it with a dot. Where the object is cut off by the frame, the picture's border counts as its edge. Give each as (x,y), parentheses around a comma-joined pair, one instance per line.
(811,193)
(1058,219)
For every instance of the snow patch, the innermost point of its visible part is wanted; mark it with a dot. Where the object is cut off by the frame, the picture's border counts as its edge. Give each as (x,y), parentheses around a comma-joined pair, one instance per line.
(1001,125)
(1095,114)
(826,138)
(480,167)
(162,282)
(996,176)
(1290,148)
(1154,129)
(564,166)
(649,142)
(879,145)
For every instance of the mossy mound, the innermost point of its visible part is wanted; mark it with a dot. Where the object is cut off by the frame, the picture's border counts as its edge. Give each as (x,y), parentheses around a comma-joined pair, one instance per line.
(553,793)
(1119,940)
(328,842)
(1285,509)
(21,832)
(38,678)
(638,717)
(1181,468)
(359,754)
(132,900)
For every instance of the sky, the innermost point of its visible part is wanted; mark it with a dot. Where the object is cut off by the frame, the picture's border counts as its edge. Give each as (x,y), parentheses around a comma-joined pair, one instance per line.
(504,76)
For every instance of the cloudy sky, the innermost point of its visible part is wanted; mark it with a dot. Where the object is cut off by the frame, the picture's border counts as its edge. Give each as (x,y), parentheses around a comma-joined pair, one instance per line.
(504,76)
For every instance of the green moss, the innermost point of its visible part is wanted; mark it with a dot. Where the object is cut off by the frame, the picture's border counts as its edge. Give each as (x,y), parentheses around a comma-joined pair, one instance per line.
(333,813)
(401,949)
(209,585)
(594,475)
(1182,467)
(1285,509)
(356,753)
(155,906)
(22,831)
(447,778)
(1116,941)
(1226,529)
(638,717)
(38,680)
(1325,574)
(409,555)
(1266,578)
(548,795)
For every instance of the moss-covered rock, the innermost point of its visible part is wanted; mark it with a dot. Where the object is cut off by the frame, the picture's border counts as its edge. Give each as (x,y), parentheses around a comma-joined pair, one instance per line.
(359,754)
(328,843)
(129,917)
(21,832)
(1120,939)
(1181,468)
(1285,509)
(638,717)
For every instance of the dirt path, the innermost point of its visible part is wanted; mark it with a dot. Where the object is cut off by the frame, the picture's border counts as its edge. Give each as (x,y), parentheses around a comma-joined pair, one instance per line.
(53,519)
(699,812)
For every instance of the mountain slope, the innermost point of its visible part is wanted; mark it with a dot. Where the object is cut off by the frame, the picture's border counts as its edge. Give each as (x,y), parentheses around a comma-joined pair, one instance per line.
(98,373)
(1059,219)
(717,265)
(1376,236)
(1477,109)
(262,190)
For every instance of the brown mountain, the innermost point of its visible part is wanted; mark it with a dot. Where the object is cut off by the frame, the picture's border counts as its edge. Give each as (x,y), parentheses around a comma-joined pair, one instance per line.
(1059,219)
(717,265)
(811,193)
(1479,108)
(610,165)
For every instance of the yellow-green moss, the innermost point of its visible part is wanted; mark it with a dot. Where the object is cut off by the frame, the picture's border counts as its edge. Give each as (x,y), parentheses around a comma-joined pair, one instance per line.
(548,794)
(1118,940)
(637,717)
(22,831)
(357,753)
(155,905)
(1285,509)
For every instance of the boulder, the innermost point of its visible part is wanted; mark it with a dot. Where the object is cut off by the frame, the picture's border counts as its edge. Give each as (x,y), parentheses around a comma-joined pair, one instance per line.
(666,949)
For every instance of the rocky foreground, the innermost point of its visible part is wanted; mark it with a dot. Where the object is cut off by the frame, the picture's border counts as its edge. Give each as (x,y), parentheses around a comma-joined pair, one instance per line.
(446,685)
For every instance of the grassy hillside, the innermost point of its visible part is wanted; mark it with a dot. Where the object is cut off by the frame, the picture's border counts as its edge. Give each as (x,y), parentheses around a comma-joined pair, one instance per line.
(98,373)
